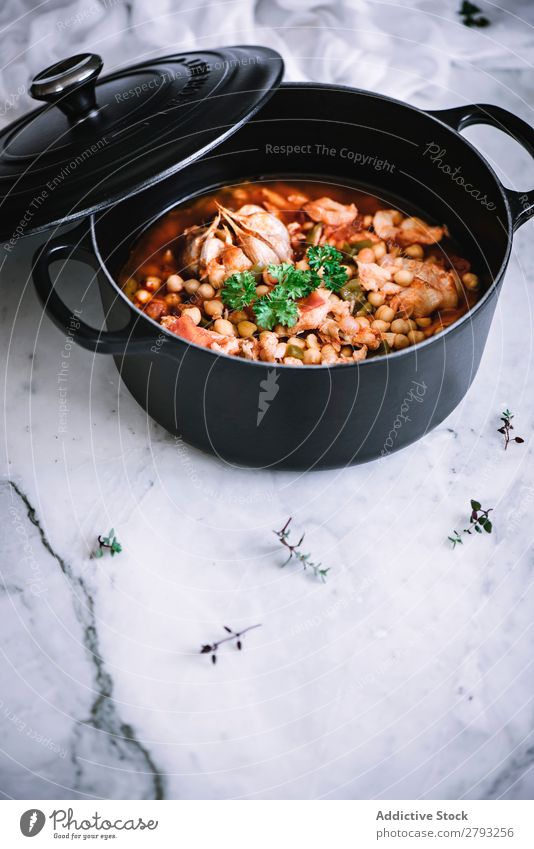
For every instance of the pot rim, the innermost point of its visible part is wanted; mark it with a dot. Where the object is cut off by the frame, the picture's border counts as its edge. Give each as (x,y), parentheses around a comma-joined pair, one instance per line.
(394,355)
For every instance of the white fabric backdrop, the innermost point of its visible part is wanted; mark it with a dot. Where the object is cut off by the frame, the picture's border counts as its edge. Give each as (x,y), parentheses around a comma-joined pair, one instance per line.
(409,50)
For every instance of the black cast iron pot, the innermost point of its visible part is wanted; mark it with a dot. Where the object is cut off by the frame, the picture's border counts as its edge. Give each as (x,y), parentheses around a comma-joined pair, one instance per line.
(259,415)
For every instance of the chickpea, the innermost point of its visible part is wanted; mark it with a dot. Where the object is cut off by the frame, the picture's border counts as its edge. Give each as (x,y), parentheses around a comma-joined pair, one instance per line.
(262,290)
(237,316)
(376,299)
(349,271)
(414,251)
(175,283)
(366,255)
(403,277)
(213,308)
(205,290)
(363,321)
(382,326)
(246,329)
(470,281)
(173,301)
(415,336)
(312,340)
(142,296)
(346,351)
(224,327)
(411,323)
(194,314)
(191,286)
(385,313)
(400,341)
(400,326)
(328,354)
(153,284)
(297,341)
(379,250)
(312,356)
(217,276)
(292,361)
(423,322)
(367,220)
(389,338)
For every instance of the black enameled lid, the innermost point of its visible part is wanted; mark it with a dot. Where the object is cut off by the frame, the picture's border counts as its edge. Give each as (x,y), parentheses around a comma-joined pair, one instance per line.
(100,140)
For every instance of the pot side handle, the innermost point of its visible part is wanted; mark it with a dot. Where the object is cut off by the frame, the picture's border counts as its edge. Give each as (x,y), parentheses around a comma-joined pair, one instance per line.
(73,245)
(521,203)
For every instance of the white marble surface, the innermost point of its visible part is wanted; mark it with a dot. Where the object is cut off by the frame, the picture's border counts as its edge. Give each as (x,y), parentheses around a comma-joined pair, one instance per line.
(407,675)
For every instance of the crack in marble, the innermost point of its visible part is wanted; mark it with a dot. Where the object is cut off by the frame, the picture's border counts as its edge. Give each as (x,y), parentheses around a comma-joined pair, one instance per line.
(104,715)
(512,773)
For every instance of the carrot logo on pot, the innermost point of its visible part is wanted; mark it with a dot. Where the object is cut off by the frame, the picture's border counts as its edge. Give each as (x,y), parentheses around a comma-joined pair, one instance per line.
(268,392)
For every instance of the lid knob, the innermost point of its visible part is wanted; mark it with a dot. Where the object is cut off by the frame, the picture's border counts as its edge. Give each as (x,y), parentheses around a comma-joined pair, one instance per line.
(70,85)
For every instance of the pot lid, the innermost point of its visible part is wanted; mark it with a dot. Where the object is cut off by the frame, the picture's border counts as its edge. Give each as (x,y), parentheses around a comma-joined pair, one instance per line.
(101,139)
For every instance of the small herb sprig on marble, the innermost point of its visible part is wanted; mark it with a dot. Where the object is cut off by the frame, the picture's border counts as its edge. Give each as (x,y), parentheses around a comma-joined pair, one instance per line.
(472,16)
(295,551)
(211,648)
(507,426)
(478,521)
(109,543)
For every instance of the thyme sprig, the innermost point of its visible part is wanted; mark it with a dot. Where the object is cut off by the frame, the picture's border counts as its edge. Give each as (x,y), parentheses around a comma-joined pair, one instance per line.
(478,521)
(211,648)
(507,426)
(295,551)
(109,543)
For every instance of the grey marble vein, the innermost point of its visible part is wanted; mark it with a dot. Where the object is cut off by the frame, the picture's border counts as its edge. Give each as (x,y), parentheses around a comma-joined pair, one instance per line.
(116,735)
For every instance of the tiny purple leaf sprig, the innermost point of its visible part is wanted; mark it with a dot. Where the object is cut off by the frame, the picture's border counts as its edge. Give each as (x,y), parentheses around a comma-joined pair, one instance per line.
(478,521)
(507,426)
(295,551)
(234,636)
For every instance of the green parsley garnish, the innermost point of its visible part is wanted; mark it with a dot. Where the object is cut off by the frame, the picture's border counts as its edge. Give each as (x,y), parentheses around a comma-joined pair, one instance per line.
(239,290)
(328,259)
(278,306)
(294,282)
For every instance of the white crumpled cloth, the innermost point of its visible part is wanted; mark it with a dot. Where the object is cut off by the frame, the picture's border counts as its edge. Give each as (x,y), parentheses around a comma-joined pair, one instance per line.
(405,49)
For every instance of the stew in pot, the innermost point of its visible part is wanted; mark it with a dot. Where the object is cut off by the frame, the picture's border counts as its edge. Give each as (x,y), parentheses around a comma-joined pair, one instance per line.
(298,273)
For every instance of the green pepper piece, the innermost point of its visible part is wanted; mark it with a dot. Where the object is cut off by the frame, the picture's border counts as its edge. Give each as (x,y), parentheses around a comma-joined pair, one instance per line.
(359,246)
(294,351)
(314,234)
(352,291)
